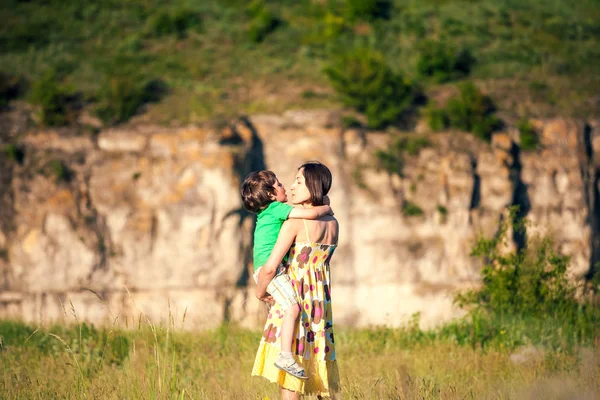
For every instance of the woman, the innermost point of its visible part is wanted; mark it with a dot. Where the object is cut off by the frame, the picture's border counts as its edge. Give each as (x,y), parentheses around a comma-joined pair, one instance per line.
(312,246)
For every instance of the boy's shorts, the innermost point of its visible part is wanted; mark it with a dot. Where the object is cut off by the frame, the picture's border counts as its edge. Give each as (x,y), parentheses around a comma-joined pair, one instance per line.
(280,288)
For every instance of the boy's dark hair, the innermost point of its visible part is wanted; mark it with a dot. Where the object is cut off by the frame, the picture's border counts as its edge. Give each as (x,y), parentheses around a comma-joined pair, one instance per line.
(257,189)
(318,181)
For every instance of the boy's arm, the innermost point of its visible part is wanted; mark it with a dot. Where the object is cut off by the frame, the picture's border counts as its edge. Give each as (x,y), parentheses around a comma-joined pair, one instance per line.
(310,213)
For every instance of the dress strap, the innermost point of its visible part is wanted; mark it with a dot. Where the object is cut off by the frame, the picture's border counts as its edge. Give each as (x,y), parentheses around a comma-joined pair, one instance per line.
(306,230)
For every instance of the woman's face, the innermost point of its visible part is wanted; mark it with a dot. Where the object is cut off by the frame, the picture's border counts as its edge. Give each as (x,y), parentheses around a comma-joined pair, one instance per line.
(300,193)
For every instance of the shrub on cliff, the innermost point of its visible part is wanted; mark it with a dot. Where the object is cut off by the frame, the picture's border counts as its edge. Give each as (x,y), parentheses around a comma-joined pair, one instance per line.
(364,81)
(528,135)
(442,62)
(470,111)
(10,88)
(392,159)
(526,295)
(122,96)
(52,98)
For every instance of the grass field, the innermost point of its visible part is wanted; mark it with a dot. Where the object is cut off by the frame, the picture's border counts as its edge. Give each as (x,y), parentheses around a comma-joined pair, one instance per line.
(219,58)
(156,362)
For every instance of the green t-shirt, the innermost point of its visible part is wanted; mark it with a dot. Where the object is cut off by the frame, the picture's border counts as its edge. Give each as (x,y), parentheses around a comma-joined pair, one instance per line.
(268,225)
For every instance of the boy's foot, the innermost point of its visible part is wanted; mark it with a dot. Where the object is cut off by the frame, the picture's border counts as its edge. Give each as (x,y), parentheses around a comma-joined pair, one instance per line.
(290,366)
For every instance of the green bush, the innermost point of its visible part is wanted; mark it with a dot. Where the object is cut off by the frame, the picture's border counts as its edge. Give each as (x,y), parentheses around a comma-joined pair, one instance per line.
(10,88)
(413,145)
(410,209)
(173,22)
(526,297)
(368,10)
(392,159)
(442,62)
(436,118)
(60,171)
(531,283)
(364,81)
(263,21)
(122,96)
(349,122)
(53,99)
(470,111)
(529,137)
(14,152)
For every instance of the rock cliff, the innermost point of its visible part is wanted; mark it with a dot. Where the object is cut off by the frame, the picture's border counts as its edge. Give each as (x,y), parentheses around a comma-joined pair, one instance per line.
(148,219)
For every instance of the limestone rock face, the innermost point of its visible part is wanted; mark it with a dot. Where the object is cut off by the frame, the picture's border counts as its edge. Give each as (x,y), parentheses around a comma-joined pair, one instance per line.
(148,220)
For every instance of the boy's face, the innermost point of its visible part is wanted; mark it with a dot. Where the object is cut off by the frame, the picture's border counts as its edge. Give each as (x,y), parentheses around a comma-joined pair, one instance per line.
(280,194)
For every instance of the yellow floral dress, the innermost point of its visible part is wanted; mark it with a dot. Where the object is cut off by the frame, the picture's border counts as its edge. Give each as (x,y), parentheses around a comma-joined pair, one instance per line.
(313,346)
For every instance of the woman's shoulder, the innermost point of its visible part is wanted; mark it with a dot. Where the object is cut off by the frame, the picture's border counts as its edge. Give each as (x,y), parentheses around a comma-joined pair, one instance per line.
(292,223)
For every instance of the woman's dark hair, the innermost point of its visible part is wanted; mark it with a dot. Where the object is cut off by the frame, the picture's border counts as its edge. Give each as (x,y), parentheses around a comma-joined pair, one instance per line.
(257,189)
(317,178)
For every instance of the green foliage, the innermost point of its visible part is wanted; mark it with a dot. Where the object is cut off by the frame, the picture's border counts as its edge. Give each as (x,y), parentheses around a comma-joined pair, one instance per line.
(14,152)
(531,282)
(90,347)
(10,88)
(441,62)
(122,96)
(442,210)
(410,209)
(175,21)
(368,10)
(263,21)
(363,80)
(53,99)
(436,118)
(528,289)
(470,111)
(349,122)
(511,44)
(392,159)
(413,145)
(60,171)
(529,137)
(358,177)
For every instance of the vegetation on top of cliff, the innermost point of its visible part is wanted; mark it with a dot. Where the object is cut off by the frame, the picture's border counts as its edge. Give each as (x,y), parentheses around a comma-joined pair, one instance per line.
(392,160)
(470,111)
(529,139)
(366,83)
(222,58)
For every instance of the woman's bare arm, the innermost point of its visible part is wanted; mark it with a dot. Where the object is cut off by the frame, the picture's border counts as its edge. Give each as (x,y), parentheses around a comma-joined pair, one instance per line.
(286,238)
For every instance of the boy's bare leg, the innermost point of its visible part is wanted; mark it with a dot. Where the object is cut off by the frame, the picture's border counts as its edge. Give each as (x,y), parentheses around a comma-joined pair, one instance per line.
(286,360)
(287,328)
